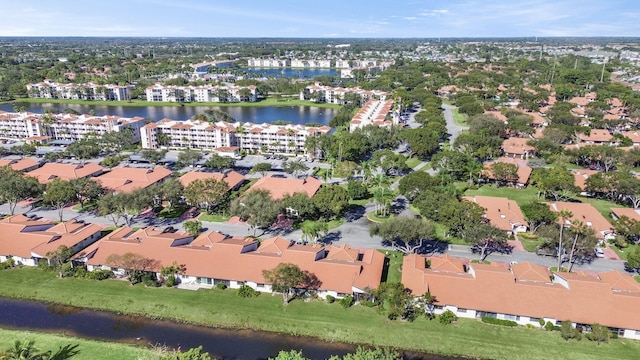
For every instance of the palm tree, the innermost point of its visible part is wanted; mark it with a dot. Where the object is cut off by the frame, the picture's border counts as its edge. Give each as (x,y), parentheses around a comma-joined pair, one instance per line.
(579,229)
(564,215)
(382,197)
(28,351)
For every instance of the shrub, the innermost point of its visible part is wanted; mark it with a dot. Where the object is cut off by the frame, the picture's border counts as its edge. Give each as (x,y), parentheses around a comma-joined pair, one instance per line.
(7,264)
(541,322)
(447,317)
(501,322)
(221,286)
(170,282)
(330,299)
(531,326)
(367,303)
(346,301)
(526,235)
(247,291)
(549,326)
(99,274)
(599,333)
(568,332)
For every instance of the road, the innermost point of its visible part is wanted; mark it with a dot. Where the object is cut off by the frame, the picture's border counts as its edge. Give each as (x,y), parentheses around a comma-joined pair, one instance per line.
(453,128)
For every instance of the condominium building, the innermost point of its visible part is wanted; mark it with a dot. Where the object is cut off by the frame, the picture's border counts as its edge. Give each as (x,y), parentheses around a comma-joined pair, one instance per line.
(201,93)
(338,95)
(310,63)
(247,136)
(375,112)
(49,89)
(32,126)
(257,62)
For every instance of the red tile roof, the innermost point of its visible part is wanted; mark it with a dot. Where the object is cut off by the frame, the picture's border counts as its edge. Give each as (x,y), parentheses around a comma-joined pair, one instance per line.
(279,187)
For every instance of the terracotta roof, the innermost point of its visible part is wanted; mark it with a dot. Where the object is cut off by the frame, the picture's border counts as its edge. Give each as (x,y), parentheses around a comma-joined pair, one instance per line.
(580,177)
(604,299)
(49,171)
(503,213)
(595,135)
(226,258)
(279,187)
(524,171)
(124,179)
(628,212)
(515,145)
(586,214)
(19,165)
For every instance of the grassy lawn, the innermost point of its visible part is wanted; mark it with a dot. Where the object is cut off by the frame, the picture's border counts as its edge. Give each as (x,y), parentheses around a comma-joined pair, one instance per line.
(394,272)
(89,349)
(332,224)
(213,218)
(361,202)
(529,244)
(270,101)
(315,318)
(378,219)
(623,252)
(413,162)
(460,119)
(88,206)
(167,213)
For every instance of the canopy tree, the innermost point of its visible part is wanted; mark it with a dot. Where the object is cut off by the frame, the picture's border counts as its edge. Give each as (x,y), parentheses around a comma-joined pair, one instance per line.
(284,278)
(14,187)
(210,194)
(58,194)
(257,209)
(404,233)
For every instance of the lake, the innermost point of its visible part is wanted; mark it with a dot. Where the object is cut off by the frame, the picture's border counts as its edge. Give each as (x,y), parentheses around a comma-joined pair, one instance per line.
(220,343)
(292,114)
(291,73)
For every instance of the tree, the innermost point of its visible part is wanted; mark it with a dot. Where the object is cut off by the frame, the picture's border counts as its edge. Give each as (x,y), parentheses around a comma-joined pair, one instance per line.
(633,260)
(389,161)
(58,194)
(557,182)
(599,333)
(404,233)
(191,354)
(261,168)
(14,187)
(111,206)
(194,228)
(58,257)
(289,355)
(171,191)
(357,190)
(84,149)
(257,209)
(218,162)
(584,241)
(370,354)
(504,172)
(284,278)
(189,156)
(563,215)
(331,200)
(422,142)
(27,351)
(486,237)
(314,230)
(538,214)
(394,300)
(153,156)
(383,197)
(411,185)
(295,167)
(86,190)
(133,264)
(299,206)
(210,194)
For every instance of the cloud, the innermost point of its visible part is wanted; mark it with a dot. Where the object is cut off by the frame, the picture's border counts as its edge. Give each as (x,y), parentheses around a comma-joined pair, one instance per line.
(433,12)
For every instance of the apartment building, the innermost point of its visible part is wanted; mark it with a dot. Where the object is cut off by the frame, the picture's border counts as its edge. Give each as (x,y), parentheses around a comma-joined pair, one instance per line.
(337,95)
(257,62)
(201,93)
(49,89)
(374,112)
(35,127)
(246,136)
(310,63)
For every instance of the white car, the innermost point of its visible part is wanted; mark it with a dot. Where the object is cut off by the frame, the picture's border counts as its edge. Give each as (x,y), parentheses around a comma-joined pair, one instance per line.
(599,252)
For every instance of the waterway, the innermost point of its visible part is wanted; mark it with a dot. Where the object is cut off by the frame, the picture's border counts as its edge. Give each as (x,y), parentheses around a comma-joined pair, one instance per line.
(220,343)
(290,73)
(269,114)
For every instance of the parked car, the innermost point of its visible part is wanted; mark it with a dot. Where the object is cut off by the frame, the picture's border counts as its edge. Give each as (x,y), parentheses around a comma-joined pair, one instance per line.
(599,252)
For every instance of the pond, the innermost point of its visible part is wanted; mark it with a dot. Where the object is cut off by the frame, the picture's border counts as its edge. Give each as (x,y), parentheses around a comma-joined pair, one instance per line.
(257,114)
(220,343)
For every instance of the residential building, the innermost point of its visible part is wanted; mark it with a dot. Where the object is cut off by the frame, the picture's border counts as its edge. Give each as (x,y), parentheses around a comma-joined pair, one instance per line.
(27,240)
(580,177)
(53,170)
(375,112)
(503,213)
(22,165)
(126,179)
(339,95)
(586,214)
(523,171)
(201,93)
(633,214)
(595,137)
(526,293)
(49,89)
(515,147)
(41,127)
(310,63)
(257,62)
(246,136)
(279,187)
(213,258)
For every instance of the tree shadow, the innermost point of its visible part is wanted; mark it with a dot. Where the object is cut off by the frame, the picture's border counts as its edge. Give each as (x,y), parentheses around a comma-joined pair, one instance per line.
(398,205)
(354,213)
(331,237)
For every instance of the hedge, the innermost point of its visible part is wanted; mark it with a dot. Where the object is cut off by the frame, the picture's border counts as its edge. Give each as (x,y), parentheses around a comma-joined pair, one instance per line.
(495,321)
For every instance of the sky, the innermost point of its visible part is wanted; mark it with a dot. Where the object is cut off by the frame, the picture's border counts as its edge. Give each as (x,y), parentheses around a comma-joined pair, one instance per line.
(321,19)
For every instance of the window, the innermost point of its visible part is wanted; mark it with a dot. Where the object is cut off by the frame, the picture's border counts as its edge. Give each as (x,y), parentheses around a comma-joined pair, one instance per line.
(534,320)
(511,317)
(260,286)
(461,310)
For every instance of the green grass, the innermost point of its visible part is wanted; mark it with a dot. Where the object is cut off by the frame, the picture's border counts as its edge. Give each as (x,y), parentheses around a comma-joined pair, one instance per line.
(530,244)
(379,219)
(413,162)
(360,202)
(459,119)
(331,224)
(270,101)
(467,337)
(623,252)
(88,206)
(89,349)
(214,218)
(167,213)
(394,272)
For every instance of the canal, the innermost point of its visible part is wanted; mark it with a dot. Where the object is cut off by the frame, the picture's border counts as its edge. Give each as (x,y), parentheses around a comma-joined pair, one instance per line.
(220,343)
(257,114)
